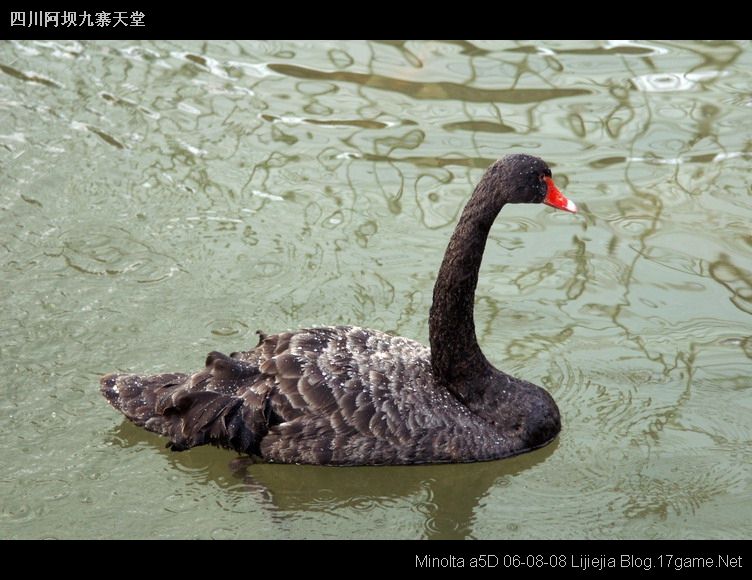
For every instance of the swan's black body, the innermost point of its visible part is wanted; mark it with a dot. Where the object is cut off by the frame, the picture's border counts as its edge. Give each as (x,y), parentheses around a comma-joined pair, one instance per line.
(346,395)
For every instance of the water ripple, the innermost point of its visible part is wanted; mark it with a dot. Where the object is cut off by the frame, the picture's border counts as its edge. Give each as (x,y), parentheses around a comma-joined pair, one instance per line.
(443,90)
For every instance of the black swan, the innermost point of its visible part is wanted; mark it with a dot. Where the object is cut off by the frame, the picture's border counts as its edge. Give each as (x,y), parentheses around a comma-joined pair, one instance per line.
(345,395)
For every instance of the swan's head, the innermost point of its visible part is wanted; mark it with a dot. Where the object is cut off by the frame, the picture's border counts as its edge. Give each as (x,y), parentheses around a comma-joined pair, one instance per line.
(523,178)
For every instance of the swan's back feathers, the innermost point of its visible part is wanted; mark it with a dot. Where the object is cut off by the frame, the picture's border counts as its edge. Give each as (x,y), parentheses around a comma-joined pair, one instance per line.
(339,391)
(331,395)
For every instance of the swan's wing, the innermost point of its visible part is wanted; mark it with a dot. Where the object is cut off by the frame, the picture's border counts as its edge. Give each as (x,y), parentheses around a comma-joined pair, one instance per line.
(208,407)
(330,395)
(347,395)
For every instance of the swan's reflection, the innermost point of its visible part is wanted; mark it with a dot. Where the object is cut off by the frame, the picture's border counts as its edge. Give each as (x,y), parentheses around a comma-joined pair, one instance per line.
(446,496)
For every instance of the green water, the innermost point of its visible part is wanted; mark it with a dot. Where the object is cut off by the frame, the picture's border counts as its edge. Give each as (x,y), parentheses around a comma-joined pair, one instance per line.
(159,200)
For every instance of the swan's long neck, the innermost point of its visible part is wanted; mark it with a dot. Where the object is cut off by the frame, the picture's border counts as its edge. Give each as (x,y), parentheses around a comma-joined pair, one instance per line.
(456,358)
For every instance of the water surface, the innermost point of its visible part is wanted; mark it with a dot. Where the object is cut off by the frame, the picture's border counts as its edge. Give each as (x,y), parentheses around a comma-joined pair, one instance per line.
(159,200)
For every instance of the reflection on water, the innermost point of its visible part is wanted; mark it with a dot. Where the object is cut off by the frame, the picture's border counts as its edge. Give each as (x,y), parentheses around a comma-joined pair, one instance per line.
(443,498)
(166,199)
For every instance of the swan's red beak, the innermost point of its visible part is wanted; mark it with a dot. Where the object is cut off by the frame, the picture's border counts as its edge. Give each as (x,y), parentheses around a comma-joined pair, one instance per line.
(556,199)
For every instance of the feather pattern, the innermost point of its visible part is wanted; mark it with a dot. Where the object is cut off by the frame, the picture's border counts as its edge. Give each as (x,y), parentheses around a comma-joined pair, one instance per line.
(340,395)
